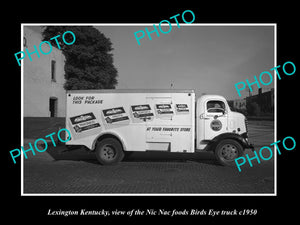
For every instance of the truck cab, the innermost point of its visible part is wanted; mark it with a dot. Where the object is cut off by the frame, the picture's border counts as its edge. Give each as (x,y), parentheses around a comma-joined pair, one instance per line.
(220,129)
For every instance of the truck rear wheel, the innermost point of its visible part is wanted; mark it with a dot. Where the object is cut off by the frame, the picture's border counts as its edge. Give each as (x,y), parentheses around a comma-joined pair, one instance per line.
(227,151)
(109,151)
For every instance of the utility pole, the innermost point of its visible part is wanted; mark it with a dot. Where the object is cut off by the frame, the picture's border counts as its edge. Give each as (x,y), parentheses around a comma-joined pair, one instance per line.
(249,92)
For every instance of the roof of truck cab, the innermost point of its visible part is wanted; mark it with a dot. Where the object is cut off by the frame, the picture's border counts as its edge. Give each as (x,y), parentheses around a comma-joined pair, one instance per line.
(211,97)
(132,91)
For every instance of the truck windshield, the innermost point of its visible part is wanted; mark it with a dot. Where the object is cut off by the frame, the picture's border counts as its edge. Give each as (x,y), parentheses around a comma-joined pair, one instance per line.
(215,107)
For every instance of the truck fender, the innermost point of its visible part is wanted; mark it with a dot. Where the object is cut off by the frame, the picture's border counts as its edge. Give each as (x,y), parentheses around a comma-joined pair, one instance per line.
(234,136)
(109,134)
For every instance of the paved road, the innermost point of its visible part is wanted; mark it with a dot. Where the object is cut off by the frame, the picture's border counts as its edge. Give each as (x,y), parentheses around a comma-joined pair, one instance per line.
(62,171)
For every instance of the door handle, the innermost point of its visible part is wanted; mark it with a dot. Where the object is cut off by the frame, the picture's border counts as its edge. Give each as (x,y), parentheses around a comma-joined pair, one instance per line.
(202,116)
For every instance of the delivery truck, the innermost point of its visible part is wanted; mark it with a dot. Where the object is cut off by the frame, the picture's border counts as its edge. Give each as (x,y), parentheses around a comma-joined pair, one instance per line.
(113,122)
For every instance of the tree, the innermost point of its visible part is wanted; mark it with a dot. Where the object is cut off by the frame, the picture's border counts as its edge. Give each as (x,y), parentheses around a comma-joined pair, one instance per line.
(89,63)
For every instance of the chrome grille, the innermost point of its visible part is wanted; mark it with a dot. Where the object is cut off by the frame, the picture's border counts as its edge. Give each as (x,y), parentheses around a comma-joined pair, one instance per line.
(246,123)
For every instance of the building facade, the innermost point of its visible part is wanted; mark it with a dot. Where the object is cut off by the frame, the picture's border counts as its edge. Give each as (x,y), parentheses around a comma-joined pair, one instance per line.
(239,104)
(265,100)
(44,95)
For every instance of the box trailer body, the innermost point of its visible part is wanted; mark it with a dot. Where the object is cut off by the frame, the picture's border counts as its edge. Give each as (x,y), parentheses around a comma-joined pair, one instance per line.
(112,122)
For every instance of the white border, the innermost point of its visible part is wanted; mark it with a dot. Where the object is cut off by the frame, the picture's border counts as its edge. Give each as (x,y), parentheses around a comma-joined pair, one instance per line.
(22,111)
(275,110)
(151,24)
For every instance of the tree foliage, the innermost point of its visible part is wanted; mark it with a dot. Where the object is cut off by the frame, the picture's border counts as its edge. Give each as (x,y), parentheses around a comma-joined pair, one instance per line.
(89,63)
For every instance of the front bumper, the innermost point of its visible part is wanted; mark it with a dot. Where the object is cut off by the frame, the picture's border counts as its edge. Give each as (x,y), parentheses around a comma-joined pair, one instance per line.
(246,142)
(250,146)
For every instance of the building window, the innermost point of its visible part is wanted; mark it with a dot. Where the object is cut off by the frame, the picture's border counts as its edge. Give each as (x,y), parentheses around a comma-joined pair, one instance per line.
(53,70)
(53,106)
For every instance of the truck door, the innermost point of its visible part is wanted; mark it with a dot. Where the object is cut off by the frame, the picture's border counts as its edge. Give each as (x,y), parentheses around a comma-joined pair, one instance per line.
(215,118)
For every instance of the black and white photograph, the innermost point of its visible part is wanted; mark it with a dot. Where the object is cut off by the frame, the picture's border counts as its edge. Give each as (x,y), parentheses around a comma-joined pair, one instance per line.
(177,115)
(104,72)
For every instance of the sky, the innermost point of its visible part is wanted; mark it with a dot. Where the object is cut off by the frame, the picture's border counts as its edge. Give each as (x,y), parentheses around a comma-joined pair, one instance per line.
(208,59)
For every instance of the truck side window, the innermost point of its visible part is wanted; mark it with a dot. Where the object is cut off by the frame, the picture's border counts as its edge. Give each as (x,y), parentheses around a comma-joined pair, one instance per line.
(215,107)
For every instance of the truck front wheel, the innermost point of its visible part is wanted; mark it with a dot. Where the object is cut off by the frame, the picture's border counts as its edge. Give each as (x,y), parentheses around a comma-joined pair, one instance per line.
(109,151)
(227,151)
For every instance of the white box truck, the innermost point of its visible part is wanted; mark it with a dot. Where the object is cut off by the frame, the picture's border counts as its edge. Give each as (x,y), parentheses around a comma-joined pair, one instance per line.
(111,122)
